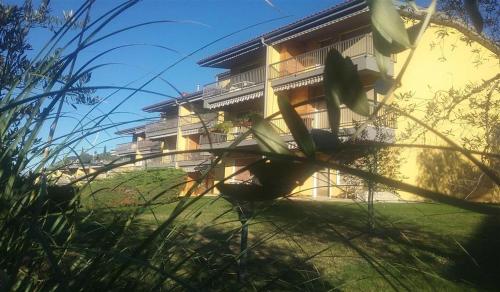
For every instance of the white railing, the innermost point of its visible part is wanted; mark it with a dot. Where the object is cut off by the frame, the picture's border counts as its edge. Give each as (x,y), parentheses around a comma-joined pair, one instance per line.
(235,82)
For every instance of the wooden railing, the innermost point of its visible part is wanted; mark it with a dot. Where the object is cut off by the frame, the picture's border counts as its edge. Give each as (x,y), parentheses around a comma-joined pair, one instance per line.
(164,161)
(162,127)
(149,145)
(353,47)
(208,118)
(126,148)
(233,134)
(235,82)
(193,156)
(319,120)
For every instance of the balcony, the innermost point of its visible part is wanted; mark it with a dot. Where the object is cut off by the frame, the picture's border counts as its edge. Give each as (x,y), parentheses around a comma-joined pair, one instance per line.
(195,161)
(349,119)
(235,88)
(192,123)
(159,162)
(307,68)
(148,146)
(161,129)
(126,149)
(313,120)
(219,140)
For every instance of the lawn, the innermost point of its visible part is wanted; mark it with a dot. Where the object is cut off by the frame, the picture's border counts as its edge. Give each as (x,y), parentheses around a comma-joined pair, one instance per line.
(310,245)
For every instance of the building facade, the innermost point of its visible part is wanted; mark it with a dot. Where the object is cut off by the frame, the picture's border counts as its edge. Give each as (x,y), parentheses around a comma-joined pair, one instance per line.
(289,61)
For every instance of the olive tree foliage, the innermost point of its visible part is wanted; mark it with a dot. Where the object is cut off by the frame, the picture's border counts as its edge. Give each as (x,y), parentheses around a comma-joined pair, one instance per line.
(20,73)
(483,15)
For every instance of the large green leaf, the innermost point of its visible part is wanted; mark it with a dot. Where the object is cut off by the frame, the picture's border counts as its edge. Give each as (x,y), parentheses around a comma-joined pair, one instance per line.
(296,126)
(388,48)
(472,8)
(343,86)
(383,49)
(267,137)
(388,23)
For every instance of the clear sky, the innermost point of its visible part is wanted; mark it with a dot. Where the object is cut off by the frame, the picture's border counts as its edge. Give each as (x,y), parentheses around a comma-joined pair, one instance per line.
(200,22)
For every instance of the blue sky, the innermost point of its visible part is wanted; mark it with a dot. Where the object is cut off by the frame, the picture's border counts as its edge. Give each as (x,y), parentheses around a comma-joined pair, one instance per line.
(200,22)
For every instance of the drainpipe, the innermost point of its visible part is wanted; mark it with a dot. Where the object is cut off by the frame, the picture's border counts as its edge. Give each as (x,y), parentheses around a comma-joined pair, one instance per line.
(266,75)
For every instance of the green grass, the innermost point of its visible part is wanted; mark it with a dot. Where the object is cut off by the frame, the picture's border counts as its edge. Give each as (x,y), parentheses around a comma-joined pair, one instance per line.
(308,245)
(132,188)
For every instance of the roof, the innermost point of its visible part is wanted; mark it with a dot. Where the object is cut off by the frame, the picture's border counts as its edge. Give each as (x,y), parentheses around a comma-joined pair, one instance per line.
(315,20)
(133,130)
(163,105)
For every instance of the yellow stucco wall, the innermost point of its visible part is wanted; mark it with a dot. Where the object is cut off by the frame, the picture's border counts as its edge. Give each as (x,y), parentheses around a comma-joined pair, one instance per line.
(439,64)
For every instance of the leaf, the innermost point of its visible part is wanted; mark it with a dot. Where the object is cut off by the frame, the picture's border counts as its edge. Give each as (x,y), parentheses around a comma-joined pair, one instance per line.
(343,85)
(384,49)
(273,178)
(296,126)
(281,174)
(472,8)
(267,137)
(325,140)
(388,23)
(388,48)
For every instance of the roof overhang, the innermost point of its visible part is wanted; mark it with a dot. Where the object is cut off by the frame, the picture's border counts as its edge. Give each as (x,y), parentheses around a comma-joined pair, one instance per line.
(131,131)
(314,21)
(174,102)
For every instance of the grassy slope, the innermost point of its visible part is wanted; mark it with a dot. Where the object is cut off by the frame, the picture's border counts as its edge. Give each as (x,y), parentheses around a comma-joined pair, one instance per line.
(132,188)
(414,246)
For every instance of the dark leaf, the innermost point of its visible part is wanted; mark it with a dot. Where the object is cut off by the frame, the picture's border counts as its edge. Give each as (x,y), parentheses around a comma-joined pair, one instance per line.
(343,85)
(272,179)
(296,126)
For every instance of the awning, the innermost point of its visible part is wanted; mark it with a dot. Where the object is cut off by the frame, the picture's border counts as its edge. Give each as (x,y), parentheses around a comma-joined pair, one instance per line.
(299,83)
(237,99)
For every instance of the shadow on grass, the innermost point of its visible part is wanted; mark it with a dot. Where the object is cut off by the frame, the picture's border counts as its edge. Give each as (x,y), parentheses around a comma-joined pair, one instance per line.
(482,267)
(205,258)
(402,255)
(408,253)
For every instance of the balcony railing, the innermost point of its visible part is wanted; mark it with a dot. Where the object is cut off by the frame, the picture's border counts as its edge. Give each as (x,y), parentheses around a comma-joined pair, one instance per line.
(208,118)
(164,161)
(194,156)
(353,47)
(126,148)
(319,120)
(235,82)
(163,127)
(148,145)
(195,119)
(233,134)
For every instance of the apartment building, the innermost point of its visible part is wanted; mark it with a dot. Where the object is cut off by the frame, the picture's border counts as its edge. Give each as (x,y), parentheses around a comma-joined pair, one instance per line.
(288,61)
